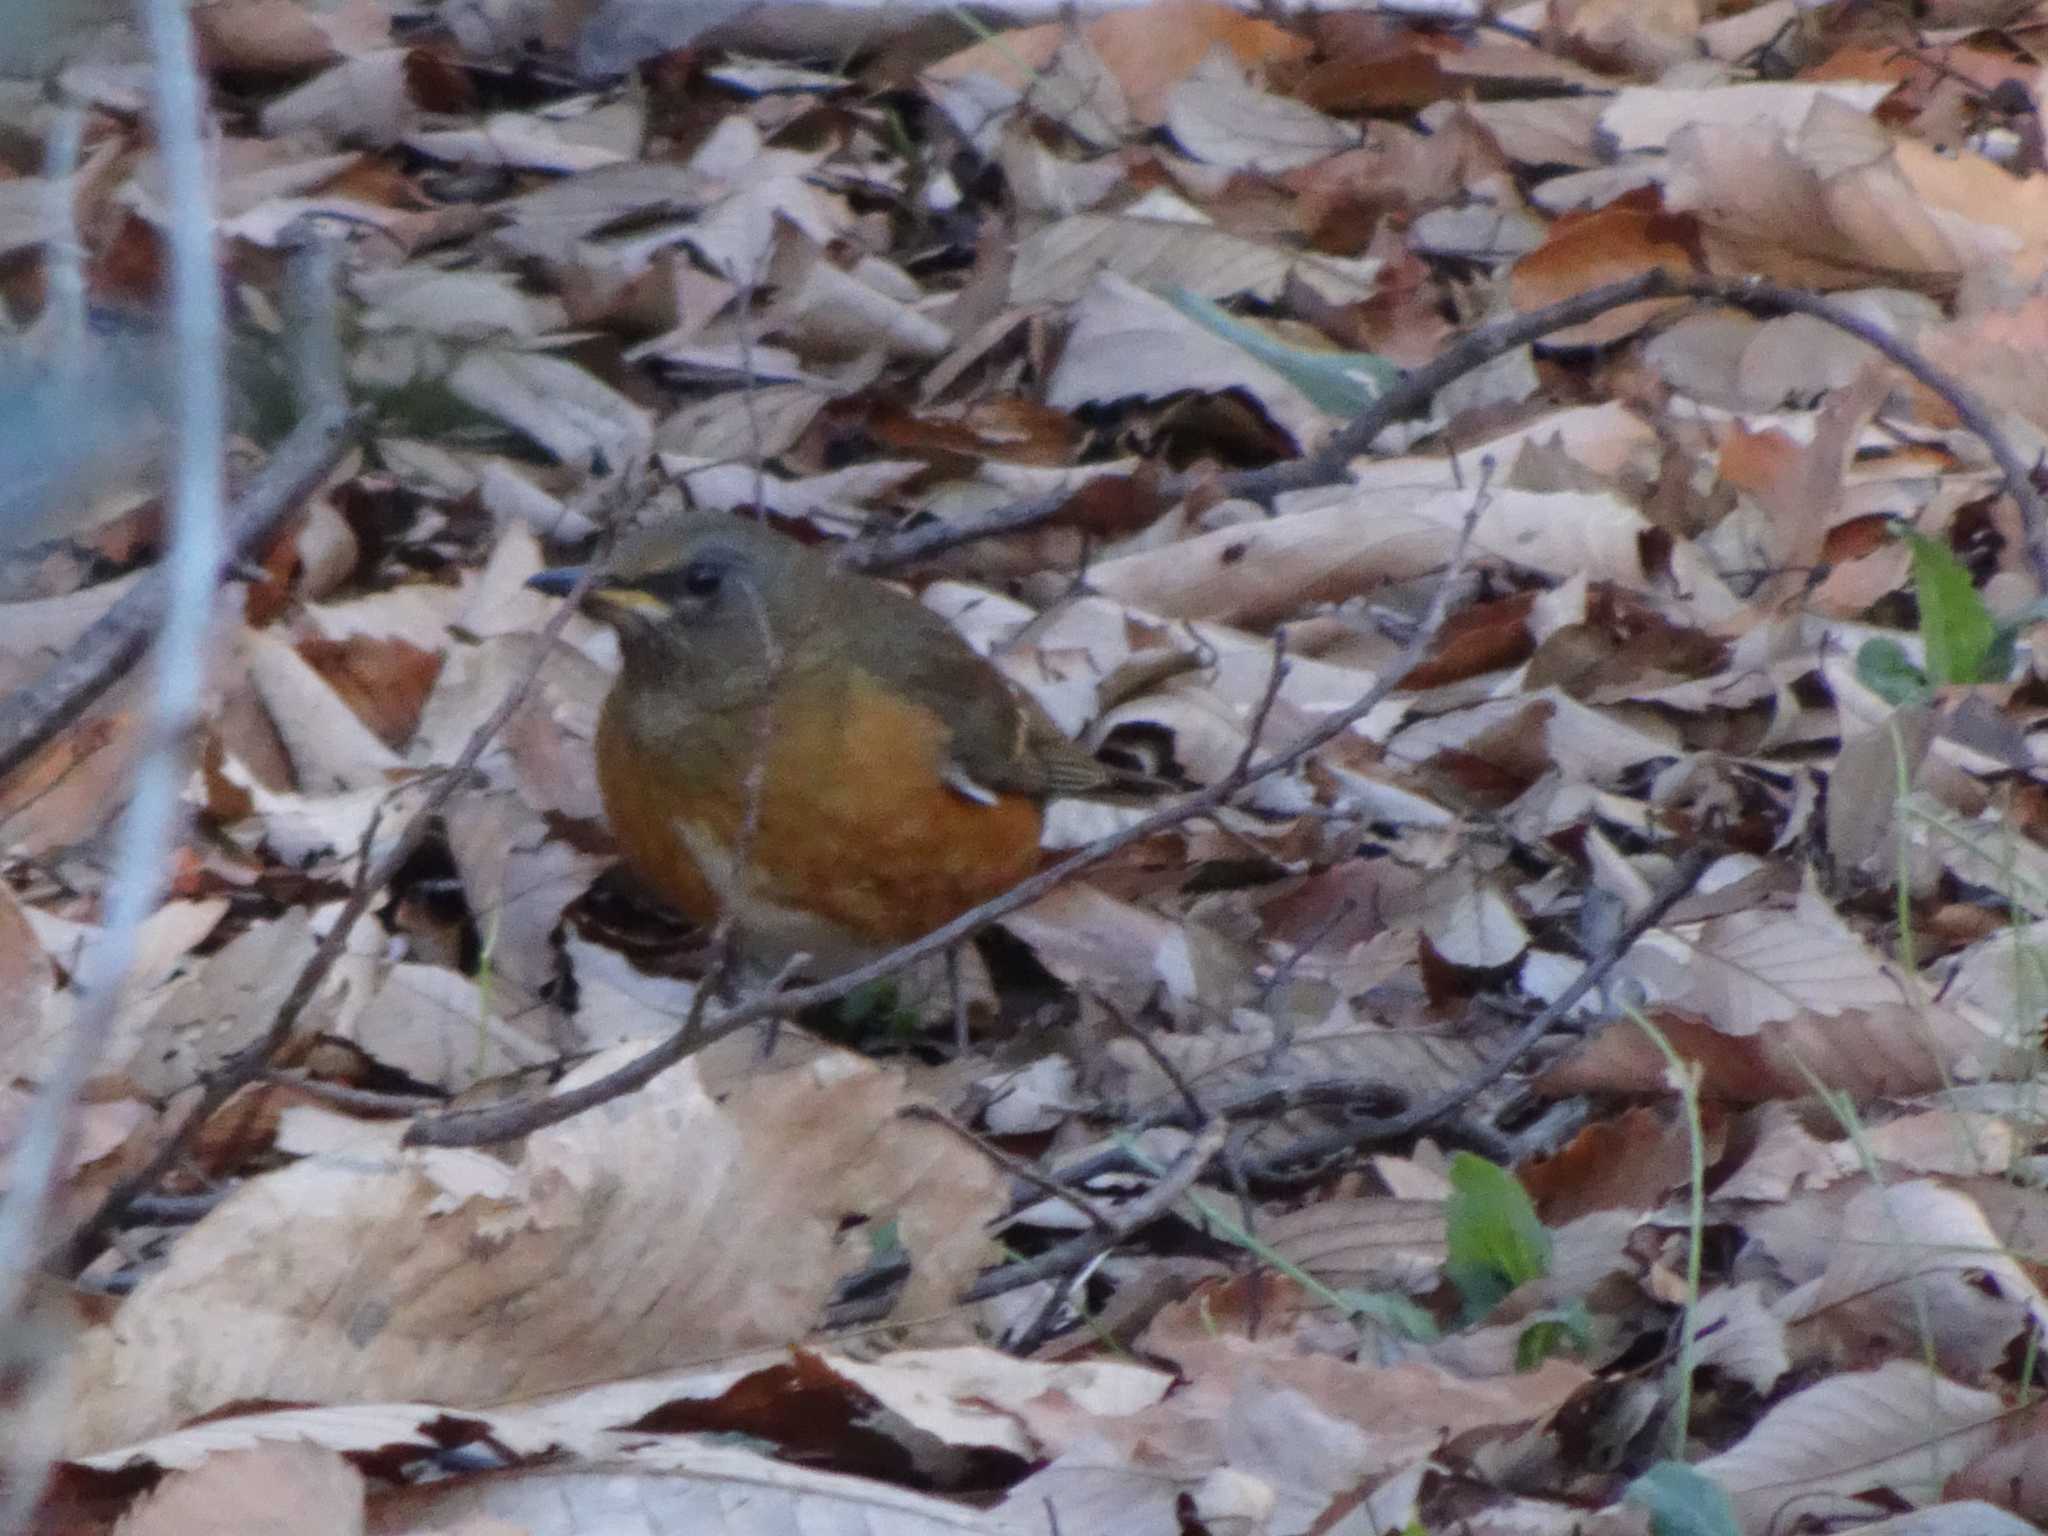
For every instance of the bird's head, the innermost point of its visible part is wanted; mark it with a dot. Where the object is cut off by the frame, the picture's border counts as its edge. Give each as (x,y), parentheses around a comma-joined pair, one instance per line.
(716,594)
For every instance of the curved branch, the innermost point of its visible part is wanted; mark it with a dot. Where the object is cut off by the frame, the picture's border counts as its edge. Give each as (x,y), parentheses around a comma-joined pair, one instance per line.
(1477,348)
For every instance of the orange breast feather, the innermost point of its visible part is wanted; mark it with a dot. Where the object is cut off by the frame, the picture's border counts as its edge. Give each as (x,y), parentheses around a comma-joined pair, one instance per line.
(856,825)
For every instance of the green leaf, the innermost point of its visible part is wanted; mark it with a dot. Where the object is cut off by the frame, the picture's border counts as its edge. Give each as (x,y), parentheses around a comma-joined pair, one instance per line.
(875,1012)
(1538,1342)
(1495,1241)
(1956,626)
(1342,383)
(1556,1331)
(1683,1503)
(1886,670)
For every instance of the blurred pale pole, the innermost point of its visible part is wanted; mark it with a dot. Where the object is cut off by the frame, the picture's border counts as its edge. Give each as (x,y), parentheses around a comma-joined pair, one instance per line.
(149,825)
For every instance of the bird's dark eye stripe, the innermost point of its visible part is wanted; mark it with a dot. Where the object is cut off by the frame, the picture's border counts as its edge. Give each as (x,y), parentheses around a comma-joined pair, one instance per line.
(699,578)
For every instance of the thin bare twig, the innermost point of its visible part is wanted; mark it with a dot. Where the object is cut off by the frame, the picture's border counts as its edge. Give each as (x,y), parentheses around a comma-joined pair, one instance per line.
(1685,874)
(253,1061)
(1176,1079)
(1015,1167)
(177,1210)
(31,717)
(1263,711)
(1284,971)
(1481,346)
(501,1122)
(1064,1258)
(366,1099)
(1265,1103)
(311,281)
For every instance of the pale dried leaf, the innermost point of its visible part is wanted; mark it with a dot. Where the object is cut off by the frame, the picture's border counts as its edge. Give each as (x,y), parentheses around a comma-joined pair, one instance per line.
(1961,1517)
(303,830)
(737,236)
(1919,1262)
(1751,969)
(361,100)
(836,498)
(613,1253)
(1899,1429)
(222,1004)
(1128,343)
(1220,117)
(1469,922)
(673,1484)
(331,749)
(1647,117)
(1737,1335)
(1368,1243)
(277,1490)
(463,306)
(1078,91)
(1062,262)
(515,138)
(564,409)
(1332,545)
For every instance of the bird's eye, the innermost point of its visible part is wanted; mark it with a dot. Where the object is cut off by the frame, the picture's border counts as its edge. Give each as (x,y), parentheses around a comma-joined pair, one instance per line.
(702,578)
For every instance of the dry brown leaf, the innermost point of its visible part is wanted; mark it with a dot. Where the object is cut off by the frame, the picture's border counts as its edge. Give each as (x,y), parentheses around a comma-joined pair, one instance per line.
(863,304)
(1837,203)
(610,1248)
(1888,1052)
(971,1398)
(1584,251)
(283,37)
(1900,1429)
(1303,1423)
(332,749)
(1650,117)
(1632,1162)
(365,100)
(1750,970)
(1170,246)
(1373,1243)
(678,1484)
(1220,117)
(1327,551)
(1127,342)
(1917,1267)
(278,1490)
(1148,49)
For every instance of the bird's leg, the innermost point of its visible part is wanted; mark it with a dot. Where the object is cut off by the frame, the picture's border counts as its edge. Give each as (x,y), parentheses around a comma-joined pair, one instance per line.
(775,981)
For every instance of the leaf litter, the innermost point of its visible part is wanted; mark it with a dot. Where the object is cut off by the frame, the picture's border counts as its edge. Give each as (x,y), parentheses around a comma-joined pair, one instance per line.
(1132,271)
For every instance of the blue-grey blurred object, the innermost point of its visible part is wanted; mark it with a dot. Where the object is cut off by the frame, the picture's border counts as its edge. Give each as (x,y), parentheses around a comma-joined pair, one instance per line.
(38,37)
(1339,383)
(618,34)
(73,430)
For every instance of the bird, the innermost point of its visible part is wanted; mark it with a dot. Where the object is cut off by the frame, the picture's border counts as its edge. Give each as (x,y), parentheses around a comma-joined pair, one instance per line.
(810,753)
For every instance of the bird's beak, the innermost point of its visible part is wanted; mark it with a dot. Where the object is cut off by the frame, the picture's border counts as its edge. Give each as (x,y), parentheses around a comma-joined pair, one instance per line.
(602,595)
(558,582)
